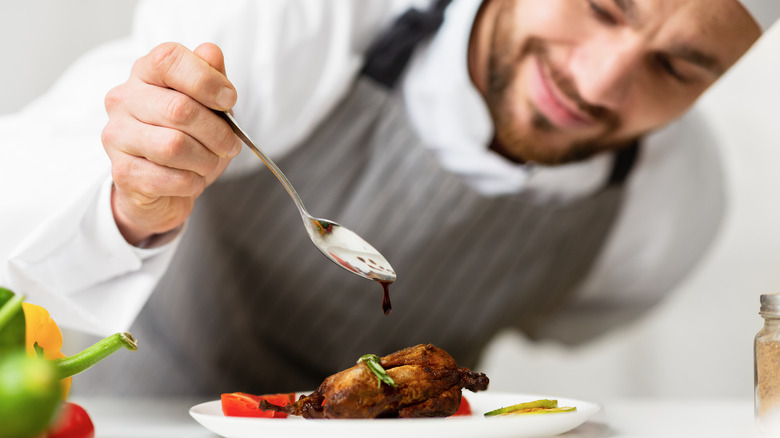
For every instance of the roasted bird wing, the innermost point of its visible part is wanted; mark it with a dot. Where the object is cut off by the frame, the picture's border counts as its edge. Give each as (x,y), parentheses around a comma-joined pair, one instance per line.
(428,384)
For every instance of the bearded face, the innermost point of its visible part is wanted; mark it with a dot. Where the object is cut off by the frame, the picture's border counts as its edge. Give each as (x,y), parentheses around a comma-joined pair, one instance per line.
(566,79)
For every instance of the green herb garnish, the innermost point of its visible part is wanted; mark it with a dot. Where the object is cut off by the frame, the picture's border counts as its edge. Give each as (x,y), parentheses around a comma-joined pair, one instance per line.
(372,362)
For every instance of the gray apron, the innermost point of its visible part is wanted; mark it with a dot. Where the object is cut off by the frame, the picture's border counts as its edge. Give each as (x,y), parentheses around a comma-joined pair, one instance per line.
(250,305)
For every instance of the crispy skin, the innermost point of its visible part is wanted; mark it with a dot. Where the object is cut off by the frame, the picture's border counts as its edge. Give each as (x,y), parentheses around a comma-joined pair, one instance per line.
(429,385)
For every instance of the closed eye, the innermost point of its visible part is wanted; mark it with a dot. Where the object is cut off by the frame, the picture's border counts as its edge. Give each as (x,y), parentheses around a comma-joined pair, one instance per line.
(664,63)
(602,14)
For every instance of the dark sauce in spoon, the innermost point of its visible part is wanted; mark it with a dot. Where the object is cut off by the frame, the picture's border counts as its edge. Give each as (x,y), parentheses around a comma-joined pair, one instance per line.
(386,306)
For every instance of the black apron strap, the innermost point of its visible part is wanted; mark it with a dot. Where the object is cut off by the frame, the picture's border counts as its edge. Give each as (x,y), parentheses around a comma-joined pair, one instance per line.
(624,161)
(388,55)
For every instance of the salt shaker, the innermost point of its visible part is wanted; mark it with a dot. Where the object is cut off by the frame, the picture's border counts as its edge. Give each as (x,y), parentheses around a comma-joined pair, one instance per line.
(766,359)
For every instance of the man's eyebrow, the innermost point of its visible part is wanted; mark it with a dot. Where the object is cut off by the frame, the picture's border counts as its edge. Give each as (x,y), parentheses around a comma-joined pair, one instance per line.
(702,59)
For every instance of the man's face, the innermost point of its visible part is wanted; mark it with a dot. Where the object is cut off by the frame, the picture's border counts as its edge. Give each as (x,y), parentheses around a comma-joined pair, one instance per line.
(565,79)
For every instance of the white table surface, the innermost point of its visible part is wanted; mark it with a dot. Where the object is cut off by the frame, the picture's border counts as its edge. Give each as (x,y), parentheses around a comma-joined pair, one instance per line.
(625,418)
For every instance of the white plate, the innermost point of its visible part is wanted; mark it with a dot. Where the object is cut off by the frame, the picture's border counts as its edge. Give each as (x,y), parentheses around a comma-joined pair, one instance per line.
(210,415)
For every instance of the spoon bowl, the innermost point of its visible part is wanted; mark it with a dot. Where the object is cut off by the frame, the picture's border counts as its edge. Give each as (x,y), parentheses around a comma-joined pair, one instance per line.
(348,250)
(341,245)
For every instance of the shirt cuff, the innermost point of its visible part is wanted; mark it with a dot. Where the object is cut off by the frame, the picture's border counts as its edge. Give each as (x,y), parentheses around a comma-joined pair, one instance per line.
(78,266)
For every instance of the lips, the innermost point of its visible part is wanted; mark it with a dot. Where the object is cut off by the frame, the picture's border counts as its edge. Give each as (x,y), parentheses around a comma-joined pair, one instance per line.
(548,98)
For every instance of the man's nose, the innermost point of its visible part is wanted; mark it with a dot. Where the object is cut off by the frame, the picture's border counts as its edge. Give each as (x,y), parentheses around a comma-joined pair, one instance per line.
(605,72)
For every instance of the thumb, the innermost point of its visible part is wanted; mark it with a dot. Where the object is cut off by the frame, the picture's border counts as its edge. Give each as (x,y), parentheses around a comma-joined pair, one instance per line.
(212,54)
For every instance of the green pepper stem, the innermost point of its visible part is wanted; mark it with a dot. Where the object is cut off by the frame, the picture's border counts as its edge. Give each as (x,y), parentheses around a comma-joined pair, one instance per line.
(10,308)
(71,365)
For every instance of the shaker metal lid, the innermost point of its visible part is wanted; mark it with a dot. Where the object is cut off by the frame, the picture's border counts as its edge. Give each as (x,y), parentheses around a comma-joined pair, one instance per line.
(770,303)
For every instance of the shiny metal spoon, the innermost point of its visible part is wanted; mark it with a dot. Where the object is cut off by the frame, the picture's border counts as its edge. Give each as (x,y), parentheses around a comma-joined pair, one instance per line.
(341,245)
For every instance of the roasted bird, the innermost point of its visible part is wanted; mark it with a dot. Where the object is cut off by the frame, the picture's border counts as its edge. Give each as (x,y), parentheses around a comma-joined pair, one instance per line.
(424,381)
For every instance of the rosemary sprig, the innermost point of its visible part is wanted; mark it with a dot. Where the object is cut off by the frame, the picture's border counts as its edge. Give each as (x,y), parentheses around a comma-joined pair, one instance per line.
(372,362)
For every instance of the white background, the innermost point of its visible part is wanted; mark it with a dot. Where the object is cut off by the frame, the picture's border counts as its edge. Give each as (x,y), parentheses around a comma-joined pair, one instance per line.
(698,343)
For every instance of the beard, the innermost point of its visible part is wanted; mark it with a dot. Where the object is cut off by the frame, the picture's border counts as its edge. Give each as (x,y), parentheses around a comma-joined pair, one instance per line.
(538,141)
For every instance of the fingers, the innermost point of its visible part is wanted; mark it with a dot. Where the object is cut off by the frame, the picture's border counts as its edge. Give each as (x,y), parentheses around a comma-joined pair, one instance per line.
(173,66)
(136,175)
(172,148)
(167,108)
(158,160)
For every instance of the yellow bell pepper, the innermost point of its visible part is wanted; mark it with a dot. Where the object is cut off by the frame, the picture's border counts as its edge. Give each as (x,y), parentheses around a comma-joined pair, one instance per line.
(40,328)
(39,333)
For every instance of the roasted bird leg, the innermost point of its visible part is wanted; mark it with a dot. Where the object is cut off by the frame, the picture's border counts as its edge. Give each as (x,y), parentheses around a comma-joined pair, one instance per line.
(428,380)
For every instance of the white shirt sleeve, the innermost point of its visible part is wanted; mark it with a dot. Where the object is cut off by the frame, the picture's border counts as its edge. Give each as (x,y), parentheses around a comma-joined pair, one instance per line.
(291,63)
(59,237)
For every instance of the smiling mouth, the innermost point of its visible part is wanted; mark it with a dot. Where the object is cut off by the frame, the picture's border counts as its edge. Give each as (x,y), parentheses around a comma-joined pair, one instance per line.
(553,103)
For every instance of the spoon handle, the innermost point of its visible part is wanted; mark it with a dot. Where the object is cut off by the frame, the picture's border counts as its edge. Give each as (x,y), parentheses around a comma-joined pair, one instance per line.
(266,159)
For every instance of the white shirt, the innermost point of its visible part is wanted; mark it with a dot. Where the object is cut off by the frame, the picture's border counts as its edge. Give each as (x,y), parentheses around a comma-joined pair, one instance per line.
(291,62)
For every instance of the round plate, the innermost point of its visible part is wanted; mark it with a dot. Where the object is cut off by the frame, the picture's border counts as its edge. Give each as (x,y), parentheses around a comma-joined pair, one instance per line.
(210,415)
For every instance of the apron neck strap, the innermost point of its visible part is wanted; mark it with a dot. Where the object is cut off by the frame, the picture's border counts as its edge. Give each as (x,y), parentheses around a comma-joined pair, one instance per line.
(390,53)
(624,161)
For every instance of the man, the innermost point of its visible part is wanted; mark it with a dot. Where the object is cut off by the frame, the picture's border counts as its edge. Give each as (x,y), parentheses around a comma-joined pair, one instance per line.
(491,172)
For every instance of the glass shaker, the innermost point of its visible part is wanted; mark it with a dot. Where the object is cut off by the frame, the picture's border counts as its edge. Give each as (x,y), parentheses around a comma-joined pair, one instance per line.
(766,359)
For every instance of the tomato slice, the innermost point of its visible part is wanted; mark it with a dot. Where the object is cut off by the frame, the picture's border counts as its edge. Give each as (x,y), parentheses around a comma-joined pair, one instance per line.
(241,404)
(464,409)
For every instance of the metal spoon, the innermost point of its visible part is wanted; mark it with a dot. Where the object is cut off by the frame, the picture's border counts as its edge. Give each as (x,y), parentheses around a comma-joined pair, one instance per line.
(341,245)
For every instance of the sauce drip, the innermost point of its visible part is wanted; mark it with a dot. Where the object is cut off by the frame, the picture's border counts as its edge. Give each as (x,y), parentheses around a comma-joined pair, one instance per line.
(387,307)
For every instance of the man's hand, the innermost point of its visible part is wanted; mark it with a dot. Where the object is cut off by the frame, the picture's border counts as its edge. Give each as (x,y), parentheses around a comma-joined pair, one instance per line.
(164,142)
